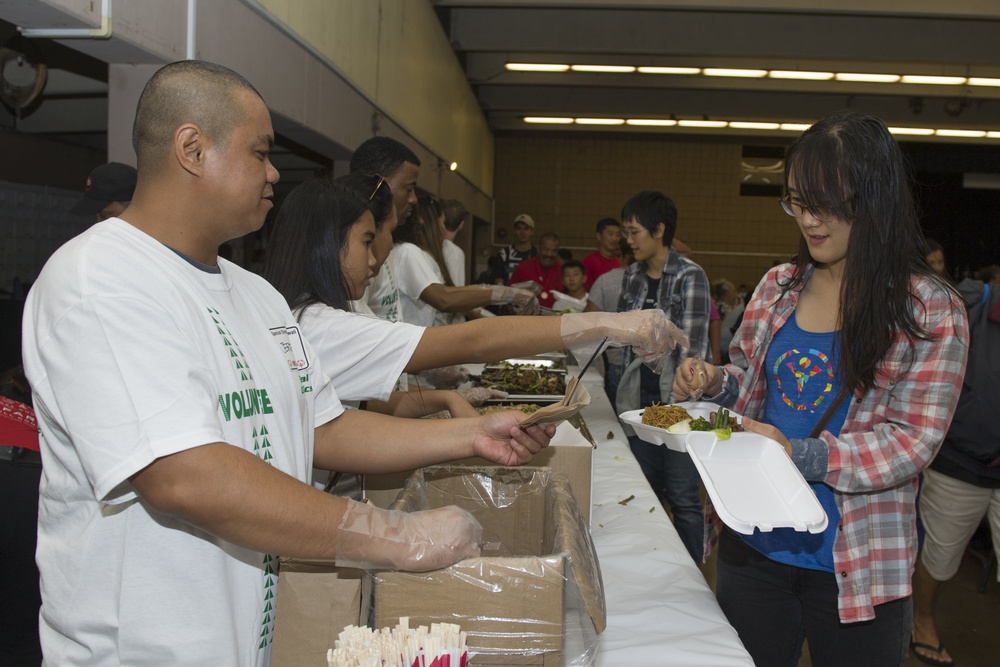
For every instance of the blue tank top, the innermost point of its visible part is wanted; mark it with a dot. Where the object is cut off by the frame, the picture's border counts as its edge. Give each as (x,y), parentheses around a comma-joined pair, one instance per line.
(800,371)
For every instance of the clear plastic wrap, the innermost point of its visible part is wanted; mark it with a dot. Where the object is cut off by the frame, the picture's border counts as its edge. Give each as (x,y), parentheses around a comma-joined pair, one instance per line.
(536,590)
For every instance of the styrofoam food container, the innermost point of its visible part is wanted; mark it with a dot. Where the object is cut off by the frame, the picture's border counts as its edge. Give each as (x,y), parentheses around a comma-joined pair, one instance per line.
(661,436)
(753,483)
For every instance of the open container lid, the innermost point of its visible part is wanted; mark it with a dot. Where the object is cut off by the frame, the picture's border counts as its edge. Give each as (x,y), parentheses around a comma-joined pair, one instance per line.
(753,484)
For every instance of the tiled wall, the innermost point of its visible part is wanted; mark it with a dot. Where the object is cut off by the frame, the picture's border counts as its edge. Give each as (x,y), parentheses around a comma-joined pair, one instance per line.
(568,183)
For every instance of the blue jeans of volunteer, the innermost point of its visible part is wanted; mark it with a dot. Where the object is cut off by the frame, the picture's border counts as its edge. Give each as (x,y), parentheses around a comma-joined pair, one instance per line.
(674,479)
(774,606)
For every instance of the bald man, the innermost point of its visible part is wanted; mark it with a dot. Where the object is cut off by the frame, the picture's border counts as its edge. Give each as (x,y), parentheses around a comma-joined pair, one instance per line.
(181,412)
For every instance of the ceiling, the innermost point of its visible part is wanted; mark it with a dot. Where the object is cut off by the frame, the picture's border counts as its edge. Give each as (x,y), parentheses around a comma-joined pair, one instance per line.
(960,38)
(73,108)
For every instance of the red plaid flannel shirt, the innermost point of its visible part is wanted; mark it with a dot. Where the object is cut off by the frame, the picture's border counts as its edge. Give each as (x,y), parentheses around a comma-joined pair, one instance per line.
(891,433)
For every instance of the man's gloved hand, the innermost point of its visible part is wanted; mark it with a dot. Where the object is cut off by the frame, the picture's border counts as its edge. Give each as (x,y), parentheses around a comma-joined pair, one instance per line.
(446,377)
(479,395)
(515,296)
(649,332)
(373,538)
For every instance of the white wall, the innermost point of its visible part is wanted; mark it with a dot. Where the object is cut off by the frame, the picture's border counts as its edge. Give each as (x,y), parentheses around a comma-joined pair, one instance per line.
(325,68)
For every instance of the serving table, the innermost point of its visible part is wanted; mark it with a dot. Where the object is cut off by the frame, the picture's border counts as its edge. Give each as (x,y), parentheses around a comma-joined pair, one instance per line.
(660,610)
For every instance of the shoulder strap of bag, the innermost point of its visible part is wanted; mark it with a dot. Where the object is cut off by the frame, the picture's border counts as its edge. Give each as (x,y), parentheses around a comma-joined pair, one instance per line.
(825,419)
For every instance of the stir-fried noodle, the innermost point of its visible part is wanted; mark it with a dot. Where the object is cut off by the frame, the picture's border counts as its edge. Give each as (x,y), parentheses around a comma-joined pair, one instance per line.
(663,416)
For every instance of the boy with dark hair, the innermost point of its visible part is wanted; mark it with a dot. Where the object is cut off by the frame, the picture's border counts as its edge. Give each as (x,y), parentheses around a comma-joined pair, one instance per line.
(660,278)
(574,276)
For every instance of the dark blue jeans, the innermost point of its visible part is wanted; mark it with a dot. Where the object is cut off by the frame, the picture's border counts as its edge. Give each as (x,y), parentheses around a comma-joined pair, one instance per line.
(612,376)
(774,607)
(675,481)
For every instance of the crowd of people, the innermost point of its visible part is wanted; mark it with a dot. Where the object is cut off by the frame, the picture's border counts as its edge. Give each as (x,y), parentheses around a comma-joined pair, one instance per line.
(227,397)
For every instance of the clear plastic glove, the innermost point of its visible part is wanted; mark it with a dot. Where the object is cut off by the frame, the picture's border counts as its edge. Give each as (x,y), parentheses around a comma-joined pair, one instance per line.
(516,296)
(446,377)
(650,333)
(696,378)
(479,395)
(530,308)
(373,538)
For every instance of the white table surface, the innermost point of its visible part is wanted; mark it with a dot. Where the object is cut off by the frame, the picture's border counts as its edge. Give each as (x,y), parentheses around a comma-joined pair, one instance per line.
(660,610)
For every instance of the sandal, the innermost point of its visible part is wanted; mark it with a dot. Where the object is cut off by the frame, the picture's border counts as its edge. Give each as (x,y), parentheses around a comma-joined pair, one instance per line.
(927,659)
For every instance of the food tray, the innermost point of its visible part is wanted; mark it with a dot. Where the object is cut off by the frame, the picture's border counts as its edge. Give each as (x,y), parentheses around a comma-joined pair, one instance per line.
(661,436)
(753,483)
(541,364)
(526,381)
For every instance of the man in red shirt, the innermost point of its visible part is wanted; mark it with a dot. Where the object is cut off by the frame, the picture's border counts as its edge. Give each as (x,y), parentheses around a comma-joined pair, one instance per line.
(606,257)
(544,269)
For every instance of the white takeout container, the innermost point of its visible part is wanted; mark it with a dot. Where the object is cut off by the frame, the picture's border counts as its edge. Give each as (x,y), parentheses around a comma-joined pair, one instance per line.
(753,483)
(661,436)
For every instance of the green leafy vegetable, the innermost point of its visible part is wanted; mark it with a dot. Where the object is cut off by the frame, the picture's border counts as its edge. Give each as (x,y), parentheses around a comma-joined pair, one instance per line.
(701,424)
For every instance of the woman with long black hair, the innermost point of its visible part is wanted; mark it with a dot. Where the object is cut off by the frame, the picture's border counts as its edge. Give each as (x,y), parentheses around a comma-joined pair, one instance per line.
(851,357)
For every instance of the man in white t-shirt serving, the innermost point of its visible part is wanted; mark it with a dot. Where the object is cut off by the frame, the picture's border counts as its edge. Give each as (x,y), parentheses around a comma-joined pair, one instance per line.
(181,412)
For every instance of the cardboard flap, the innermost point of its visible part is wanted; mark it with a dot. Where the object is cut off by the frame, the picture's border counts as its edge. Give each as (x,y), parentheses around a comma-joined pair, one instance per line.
(573,539)
(577,398)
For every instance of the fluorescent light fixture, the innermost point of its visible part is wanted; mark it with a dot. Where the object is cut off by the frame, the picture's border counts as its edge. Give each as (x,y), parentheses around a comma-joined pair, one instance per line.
(980,81)
(669,70)
(919,131)
(743,125)
(933,80)
(600,121)
(960,133)
(741,73)
(612,69)
(993,135)
(805,76)
(552,120)
(794,127)
(453,166)
(866,78)
(536,67)
(702,123)
(651,122)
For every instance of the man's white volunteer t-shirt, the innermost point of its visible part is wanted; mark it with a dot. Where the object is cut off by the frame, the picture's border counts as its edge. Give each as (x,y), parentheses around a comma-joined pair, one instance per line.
(134,354)
(414,270)
(363,355)
(382,295)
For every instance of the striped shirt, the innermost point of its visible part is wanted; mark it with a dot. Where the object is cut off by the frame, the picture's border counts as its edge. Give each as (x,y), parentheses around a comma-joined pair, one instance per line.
(891,433)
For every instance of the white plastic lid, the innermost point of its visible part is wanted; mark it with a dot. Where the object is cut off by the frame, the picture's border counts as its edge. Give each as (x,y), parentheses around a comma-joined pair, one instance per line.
(753,484)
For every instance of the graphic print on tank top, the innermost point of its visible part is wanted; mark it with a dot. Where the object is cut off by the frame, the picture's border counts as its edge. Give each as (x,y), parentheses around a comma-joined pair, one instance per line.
(803,377)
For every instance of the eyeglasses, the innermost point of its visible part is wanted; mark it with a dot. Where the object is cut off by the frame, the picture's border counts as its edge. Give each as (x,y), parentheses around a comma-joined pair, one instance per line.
(632,233)
(381,180)
(797,210)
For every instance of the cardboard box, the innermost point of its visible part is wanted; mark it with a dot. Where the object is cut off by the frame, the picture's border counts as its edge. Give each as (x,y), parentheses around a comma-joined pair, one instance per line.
(568,453)
(534,597)
(316,600)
